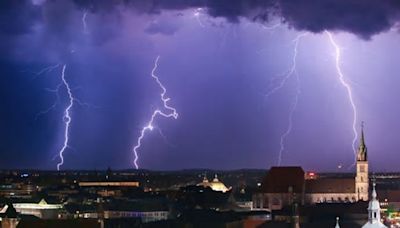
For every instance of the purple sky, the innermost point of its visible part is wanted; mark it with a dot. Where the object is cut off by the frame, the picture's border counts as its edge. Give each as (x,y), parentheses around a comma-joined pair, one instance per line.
(218,60)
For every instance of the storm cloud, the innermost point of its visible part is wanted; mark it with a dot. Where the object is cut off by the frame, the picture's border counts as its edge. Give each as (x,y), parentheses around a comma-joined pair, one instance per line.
(363,18)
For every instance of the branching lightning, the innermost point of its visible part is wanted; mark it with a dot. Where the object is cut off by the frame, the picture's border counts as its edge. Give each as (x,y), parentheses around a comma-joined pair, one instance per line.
(286,76)
(67,111)
(46,70)
(347,87)
(54,105)
(149,127)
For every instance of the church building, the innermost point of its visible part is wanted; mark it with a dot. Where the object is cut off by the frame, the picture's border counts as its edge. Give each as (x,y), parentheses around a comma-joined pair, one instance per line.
(283,186)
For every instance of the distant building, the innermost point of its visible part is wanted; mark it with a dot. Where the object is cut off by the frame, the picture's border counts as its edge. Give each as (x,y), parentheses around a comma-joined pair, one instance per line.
(215,184)
(109,188)
(41,210)
(109,184)
(286,185)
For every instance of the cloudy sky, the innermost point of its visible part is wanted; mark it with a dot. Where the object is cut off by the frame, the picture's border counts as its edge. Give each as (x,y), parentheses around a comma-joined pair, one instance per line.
(228,69)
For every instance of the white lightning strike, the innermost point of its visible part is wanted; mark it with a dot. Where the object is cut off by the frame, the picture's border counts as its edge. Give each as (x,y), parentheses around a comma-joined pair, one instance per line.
(149,127)
(286,76)
(66,118)
(291,70)
(348,89)
(290,124)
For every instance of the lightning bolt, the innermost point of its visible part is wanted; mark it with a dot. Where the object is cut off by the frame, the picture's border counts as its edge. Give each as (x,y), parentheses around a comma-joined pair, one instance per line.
(172,113)
(46,70)
(66,118)
(67,112)
(348,89)
(290,120)
(286,76)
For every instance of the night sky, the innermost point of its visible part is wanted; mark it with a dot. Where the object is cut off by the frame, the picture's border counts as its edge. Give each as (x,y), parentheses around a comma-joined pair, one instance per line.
(218,61)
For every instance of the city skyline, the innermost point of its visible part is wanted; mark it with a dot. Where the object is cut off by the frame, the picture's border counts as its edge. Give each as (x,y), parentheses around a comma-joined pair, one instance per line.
(256,84)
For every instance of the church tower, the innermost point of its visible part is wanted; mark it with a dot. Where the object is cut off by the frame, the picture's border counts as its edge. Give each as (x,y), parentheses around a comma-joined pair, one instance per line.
(362,180)
(374,212)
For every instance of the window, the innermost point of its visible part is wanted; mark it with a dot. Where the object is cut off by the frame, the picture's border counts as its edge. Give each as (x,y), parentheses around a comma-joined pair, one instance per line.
(275,201)
(374,214)
(362,168)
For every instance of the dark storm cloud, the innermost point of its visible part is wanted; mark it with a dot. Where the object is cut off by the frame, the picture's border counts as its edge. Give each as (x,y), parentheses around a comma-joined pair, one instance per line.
(17,16)
(361,17)
(364,18)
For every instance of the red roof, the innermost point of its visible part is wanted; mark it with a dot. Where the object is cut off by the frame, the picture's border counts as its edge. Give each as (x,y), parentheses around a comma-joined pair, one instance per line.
(390,195)
(281,179)
(331,185)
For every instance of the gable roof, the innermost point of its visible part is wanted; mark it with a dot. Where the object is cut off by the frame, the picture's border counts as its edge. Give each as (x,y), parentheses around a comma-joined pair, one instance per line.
(281,179)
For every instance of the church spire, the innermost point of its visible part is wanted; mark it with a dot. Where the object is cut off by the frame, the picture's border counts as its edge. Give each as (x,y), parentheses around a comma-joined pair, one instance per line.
(374,211)
(362,148)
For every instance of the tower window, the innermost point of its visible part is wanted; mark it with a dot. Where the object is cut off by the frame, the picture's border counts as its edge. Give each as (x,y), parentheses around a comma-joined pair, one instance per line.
(374,214)
(362,168)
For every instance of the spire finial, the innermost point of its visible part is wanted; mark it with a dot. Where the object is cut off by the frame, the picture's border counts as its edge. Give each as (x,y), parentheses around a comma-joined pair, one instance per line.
(373,191)
(337,222)
(362,132)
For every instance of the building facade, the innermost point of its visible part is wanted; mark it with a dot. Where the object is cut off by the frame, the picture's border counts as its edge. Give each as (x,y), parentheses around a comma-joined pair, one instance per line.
(286,185)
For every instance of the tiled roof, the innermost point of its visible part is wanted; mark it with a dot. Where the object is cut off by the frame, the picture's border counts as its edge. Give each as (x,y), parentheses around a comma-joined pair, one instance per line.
(331,185)
(280,179)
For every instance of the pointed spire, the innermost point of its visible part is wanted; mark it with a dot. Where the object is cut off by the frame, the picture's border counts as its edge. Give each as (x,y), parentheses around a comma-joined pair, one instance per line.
(337,222)
(374,209)
(362,148)
(373,194)
(362,141)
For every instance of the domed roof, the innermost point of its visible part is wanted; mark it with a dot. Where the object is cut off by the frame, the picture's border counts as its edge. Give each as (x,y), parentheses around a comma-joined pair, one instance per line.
(373,205)
(215,184)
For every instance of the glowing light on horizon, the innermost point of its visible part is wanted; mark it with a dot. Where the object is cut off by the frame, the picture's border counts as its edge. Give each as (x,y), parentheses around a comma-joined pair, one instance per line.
(172,113)
(348,89)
